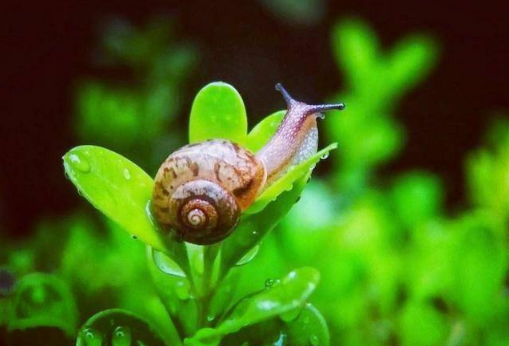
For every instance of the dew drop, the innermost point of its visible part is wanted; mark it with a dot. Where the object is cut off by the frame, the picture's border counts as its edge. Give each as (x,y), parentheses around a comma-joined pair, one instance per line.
(320,115)
(166,264)
(325,155)
(211,318)
(313,339)
(79,163)
(127,174)
(269,283)
(121,336)
(248,257)
(90,337)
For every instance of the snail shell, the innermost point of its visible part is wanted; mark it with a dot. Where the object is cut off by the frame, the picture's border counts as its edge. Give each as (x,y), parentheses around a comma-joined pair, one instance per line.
(202,188)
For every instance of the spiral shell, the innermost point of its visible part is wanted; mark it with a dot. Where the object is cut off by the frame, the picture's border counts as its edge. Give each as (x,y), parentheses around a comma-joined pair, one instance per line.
(201,189)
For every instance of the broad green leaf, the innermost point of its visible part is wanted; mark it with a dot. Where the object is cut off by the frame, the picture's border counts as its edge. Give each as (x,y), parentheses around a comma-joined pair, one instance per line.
(43,300)
(290,293)
(286,182)
(218,112)
(308,328)
(264,130)
(117,187)
(118,327)
(252,228)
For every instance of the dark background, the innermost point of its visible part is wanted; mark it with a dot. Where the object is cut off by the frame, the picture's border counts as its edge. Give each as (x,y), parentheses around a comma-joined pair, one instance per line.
(46,49)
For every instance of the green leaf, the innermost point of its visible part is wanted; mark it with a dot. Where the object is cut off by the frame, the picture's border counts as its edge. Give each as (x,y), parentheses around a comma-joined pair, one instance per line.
(118,327)
(290,293)
(309,328)
(218,112)
(43,300)
(422,325)
(117,187)
(356,49)
(122,191)
(480,262)
(410,61)
(418,197)
(286,182)
(101,108)
(252,228)
(264,130)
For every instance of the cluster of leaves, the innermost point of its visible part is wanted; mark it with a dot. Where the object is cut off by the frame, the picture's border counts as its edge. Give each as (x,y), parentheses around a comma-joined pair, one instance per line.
(394,267)
(198,297)
(172,290)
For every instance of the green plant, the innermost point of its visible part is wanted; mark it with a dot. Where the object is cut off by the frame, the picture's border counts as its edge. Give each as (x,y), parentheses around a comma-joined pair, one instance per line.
(196,284)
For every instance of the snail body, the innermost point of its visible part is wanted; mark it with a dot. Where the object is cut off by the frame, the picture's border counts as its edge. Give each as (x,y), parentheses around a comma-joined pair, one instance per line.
(201,189)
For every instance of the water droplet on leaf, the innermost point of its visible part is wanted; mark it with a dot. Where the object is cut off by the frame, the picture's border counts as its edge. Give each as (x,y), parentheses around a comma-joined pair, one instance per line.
(269,283)
(121,336)
(79,163)
(313,339)
(248,257)
(90,337)
(126,174)
(325,155)
(166,264)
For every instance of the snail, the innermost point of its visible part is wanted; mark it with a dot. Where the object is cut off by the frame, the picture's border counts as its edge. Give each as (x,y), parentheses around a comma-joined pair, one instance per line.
(201,189)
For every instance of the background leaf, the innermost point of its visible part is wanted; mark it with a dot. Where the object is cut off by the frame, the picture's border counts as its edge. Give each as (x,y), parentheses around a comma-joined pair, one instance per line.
(43,300)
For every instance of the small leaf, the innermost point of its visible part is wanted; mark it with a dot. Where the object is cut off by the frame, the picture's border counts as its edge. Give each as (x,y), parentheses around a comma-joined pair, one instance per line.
(410,61)
(252,228)
(290,293)
(286,182)
(117,187)
(43,300)
(356,49)
(264,130)
(422,325)
(480,262)
(118,327)
(309,328)
(218,112)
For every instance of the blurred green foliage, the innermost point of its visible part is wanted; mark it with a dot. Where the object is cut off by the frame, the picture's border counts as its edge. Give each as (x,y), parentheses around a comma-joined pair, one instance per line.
(395,266)
(132,115)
